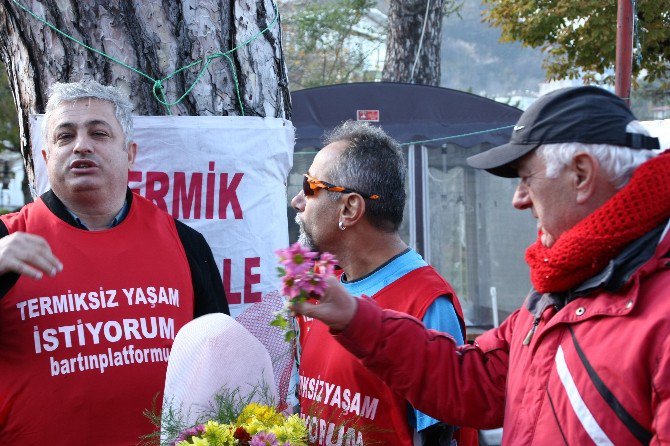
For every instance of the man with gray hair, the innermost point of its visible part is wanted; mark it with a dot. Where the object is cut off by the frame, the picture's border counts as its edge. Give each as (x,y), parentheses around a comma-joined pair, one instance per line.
(351,205)
(586,359)
(95,282)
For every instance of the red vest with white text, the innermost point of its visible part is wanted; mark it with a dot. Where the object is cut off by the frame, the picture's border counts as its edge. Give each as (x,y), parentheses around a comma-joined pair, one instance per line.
(341,398)
(84,353)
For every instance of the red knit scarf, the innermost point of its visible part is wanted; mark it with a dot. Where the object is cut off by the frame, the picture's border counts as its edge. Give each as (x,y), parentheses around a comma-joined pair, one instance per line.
(585,250)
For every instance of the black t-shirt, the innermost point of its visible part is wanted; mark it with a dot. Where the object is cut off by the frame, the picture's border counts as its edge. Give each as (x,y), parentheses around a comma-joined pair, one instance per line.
(209,296)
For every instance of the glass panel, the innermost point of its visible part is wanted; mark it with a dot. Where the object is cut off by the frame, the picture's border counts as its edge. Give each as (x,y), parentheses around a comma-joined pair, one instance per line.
(404,227)
(477,238)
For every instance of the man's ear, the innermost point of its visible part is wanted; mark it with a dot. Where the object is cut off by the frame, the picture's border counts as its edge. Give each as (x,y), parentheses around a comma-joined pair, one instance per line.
(585,169)
(352,209)
(45,155)
(132,152)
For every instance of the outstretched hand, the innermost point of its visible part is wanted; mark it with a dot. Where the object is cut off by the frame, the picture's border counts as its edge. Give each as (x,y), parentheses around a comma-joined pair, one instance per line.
(27,254)
(336,308)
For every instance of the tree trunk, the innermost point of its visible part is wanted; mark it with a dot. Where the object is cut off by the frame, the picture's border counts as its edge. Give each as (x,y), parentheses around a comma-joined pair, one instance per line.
(405,41)
(156,37)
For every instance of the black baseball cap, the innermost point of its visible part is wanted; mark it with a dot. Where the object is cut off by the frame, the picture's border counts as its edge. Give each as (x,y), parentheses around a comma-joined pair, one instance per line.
(589,115)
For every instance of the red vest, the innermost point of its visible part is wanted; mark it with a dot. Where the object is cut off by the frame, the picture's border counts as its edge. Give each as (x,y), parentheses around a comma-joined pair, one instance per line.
(83,354)
(342,402)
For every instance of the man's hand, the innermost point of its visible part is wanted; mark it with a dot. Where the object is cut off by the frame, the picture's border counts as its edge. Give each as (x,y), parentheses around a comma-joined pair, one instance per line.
(335,309)
(27,254)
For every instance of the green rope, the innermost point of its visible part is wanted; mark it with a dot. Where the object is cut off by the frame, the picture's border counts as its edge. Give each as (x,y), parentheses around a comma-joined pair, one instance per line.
(457,136)
(435,139)
(158,89)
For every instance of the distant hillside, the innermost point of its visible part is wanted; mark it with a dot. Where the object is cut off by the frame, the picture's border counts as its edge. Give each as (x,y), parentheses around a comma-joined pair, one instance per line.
(474,60)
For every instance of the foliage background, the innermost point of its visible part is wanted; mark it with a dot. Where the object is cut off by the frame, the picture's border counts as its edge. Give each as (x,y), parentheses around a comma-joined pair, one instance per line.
(328,42)
(9,129)
(579,36)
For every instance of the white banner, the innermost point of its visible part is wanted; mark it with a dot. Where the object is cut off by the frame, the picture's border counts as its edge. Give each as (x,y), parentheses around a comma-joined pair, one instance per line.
(223,176)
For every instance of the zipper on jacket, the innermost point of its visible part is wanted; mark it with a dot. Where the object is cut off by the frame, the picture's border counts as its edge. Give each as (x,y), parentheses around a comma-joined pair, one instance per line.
(531,332)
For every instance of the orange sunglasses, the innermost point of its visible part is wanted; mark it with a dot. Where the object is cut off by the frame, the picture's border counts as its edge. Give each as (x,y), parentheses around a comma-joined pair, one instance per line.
(310,185)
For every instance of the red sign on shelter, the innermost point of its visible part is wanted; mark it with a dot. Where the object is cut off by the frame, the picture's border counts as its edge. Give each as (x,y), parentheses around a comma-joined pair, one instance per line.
(367,115)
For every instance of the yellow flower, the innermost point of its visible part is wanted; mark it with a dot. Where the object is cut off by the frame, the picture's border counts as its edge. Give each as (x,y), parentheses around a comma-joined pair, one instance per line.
(197,441)
(255,414)
(254,426)
(293,430)
(219,434)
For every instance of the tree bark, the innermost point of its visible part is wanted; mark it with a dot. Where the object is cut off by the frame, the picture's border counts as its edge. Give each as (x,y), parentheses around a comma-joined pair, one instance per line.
(155,37)
(404,42)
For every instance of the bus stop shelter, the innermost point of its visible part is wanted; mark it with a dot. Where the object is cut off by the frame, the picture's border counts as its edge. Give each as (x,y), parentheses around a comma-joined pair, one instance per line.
(460,219)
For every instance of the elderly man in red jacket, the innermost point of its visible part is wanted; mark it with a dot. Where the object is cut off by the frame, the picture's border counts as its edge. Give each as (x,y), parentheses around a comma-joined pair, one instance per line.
(586,359)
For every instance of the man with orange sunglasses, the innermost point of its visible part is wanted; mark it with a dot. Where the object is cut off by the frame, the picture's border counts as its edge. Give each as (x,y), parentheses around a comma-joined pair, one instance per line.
(351,205)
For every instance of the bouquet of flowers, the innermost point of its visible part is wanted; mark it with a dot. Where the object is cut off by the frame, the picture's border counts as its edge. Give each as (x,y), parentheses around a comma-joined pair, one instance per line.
(303,276)
(256,425)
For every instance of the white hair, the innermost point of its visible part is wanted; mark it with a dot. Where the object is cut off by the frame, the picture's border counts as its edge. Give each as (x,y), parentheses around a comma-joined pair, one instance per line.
(619,162)
(70,92)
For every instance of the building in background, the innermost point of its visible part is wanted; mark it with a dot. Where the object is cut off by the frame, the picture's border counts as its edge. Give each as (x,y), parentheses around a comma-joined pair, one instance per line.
(11,177)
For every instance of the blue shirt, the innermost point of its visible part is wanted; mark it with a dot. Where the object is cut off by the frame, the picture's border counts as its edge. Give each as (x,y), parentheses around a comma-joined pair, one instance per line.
(118,219)
(440,316)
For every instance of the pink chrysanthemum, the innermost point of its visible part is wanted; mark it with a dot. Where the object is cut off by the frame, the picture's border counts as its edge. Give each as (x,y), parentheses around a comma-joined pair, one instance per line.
(302,277)
(291,286)
(313,284)
(325,266)
(189,433)
(264,439)
(301,273)
(296,259)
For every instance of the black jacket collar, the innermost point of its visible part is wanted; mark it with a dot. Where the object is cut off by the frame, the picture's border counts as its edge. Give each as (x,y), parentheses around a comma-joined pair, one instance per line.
(57,207)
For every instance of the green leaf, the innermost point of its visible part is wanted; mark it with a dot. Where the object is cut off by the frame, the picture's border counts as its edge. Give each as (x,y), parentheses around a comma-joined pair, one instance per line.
(280,321)
(300,298)
(289,336)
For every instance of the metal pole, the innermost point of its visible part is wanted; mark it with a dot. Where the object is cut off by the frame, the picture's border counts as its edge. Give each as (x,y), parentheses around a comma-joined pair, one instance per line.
(623,64)
(419,204)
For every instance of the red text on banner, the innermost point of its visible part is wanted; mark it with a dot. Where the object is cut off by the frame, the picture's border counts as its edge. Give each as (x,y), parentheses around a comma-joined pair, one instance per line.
(187,191)
(250,279)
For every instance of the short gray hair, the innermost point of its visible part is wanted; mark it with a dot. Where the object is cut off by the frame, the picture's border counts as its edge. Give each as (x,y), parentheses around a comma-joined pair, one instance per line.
(619,162)
(89,89)
(372,163)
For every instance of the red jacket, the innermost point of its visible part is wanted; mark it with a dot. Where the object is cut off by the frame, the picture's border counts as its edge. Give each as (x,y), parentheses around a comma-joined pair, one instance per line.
(595,371)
